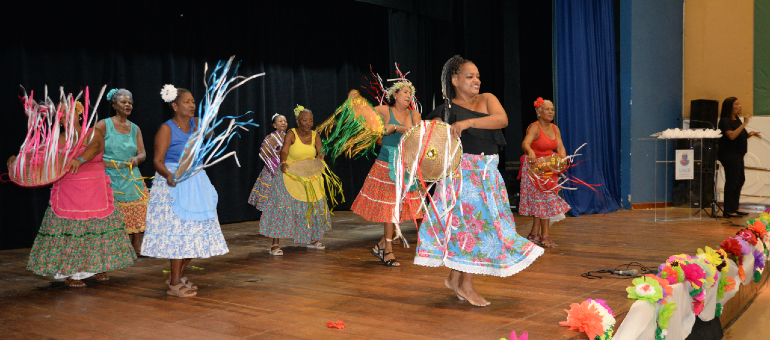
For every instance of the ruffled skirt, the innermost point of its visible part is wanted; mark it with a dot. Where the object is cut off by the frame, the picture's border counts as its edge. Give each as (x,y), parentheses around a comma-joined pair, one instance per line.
(259,194)
(483,236)
(537,203)
(376,200)
(170,237)
(80,248)
(286,217)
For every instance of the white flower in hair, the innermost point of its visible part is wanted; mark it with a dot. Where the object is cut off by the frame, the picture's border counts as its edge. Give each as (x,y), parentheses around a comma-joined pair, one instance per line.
(168,93)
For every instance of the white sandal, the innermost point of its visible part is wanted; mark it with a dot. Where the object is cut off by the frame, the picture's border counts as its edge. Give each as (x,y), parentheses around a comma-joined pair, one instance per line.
(277,251)
(316,245)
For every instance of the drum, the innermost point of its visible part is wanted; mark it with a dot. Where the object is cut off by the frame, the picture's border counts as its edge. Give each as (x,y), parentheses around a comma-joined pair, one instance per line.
(430,144)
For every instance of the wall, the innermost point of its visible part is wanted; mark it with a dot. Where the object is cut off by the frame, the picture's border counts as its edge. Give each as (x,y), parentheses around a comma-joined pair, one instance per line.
(650,90)
(718,52)
(762,57)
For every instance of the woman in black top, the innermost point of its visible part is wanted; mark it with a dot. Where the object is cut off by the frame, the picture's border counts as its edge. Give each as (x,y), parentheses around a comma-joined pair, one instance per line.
(483,238)
(732,148)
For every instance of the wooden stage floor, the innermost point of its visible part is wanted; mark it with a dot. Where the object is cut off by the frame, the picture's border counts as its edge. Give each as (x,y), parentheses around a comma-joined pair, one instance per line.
(249,294)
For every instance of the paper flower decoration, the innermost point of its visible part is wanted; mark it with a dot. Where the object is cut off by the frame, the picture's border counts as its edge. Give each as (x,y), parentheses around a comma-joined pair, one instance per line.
(759,227)
(591,317)
(725,266)
(747,236)
(709,270)
(110,94)
(672,274)
(298,110)
(397,86)
(667,289)
(524,336)
(759,259)
(168,93)
(664,316)
(711,256)
(539,102)
(731,246)
(694,274)
(645,288)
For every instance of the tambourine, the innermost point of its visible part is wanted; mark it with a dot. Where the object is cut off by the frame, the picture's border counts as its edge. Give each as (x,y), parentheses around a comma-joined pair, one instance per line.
(431,144)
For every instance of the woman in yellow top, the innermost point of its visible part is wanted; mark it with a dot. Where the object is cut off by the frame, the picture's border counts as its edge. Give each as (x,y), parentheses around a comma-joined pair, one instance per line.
(286,214)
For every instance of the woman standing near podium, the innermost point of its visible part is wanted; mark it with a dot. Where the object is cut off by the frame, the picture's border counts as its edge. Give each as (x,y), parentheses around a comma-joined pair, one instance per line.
(732,148)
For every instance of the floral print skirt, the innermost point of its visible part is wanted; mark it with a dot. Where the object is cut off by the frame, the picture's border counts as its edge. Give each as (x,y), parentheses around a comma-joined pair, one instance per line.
(261,190)
(286,217)
(375,201)
(167,236)
(135,213)
(80,248)
(483,238)
(537,203)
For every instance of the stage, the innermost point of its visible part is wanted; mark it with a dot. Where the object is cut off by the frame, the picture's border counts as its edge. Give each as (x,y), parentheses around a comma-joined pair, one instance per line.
(250,294)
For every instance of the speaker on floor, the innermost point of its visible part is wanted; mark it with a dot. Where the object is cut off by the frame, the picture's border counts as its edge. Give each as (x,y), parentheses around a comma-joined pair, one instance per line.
(704,114)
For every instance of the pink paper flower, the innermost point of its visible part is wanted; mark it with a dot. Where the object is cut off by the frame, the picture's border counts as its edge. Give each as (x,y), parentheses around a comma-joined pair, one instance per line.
(693,273)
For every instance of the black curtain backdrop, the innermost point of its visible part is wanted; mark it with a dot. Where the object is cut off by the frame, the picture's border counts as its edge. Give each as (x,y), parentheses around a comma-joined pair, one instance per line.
(312,53)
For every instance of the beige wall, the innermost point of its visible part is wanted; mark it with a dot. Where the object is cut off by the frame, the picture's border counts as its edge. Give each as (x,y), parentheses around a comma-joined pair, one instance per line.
(718,52)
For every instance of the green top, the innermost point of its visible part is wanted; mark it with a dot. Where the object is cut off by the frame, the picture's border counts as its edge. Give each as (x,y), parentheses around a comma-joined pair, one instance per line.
(390,141)
(120,148)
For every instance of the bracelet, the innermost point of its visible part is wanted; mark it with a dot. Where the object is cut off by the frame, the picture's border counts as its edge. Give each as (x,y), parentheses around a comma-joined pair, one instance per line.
(82,161)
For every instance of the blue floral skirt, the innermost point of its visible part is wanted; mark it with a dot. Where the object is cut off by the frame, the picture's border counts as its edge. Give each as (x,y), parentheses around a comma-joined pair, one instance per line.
(483,236)
(168,236)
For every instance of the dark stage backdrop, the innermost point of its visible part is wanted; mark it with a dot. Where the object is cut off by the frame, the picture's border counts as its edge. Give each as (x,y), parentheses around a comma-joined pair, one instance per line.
(312,52)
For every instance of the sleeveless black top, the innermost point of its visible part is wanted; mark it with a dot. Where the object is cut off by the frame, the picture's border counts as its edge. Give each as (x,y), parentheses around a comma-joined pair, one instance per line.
(475,141)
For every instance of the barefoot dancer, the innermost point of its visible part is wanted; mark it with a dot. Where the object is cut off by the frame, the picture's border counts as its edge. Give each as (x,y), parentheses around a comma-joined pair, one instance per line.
(483,234)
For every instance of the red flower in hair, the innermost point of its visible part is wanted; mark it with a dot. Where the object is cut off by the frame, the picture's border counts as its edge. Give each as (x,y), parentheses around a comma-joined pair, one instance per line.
(539,102)
(731,246)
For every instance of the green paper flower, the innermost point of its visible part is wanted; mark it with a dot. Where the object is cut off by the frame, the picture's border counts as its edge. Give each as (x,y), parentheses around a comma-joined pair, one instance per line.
(757,276)
(645,288)
(718,311)
(665,315)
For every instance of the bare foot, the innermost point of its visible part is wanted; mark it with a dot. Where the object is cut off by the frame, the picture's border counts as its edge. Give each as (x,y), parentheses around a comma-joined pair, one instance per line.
(472,296)
(448,284)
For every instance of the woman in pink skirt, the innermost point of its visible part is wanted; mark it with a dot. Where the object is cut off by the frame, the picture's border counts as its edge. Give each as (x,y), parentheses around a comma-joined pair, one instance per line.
(543,137)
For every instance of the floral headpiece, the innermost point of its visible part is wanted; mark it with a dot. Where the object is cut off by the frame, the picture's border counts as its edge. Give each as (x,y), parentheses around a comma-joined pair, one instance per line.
(78,108)
(168,93)
(539,102)
(298,110)
(111,94)
(397,86)
(592,317)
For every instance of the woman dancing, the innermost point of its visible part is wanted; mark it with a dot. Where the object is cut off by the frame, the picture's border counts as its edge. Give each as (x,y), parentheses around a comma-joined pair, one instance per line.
(82,233)
(543,137)
(483,236)
(123,152)
(286,212)
(375,200)
(180,227)
(270,152)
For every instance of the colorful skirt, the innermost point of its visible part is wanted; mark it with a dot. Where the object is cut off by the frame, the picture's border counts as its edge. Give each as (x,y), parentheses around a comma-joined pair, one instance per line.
(537,203)
(80,248)
(286,217)
(168,236)
(483,236)
(135,213)
(376,200)
(261,189)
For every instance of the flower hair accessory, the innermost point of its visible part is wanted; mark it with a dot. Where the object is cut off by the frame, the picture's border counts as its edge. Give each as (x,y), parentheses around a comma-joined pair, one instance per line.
(397,86)
(273,117)
(539,102)
(111,94)
(78,108)
(168,93)
(298,110)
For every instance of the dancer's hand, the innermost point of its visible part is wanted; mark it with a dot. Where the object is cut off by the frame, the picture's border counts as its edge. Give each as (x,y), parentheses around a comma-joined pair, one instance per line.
(457,129)
(170,180)
(74,166)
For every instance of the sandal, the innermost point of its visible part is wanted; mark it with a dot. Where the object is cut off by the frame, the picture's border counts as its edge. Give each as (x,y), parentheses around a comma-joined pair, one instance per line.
(181,290)
(277,251)
(102,277)
(534,239)
(74,283)
(316,245)
(377,252)
(546,242)
(186,282)
(391,262)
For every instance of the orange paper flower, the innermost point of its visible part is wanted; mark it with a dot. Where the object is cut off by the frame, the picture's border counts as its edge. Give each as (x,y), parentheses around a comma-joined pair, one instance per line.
(741,273)
(584,318)
(730,284)
(663,283)
(759,228)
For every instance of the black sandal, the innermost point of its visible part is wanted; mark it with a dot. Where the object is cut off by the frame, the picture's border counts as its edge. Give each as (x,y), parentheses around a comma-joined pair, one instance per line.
(377,252)
(389,263)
